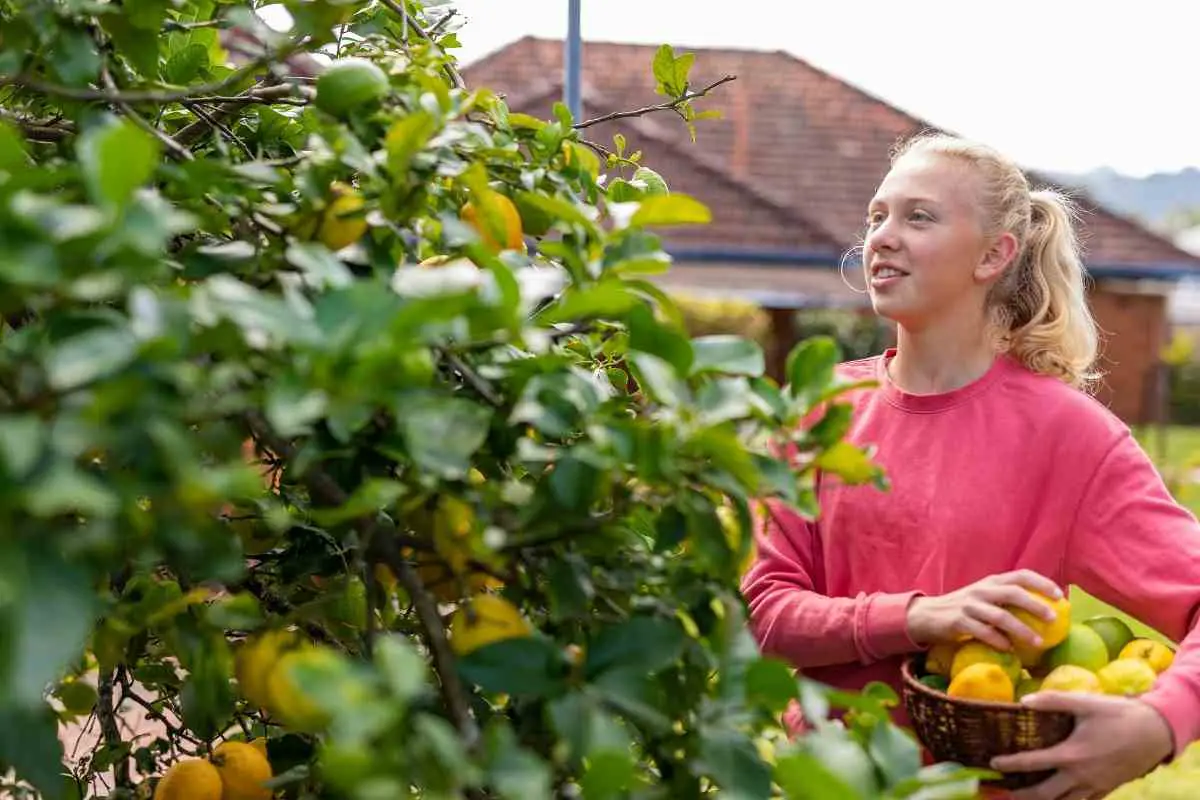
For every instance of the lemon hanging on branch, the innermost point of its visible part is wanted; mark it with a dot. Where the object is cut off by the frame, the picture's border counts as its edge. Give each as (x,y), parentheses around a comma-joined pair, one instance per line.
(243,770)
(486,619)
(496,220)
(190,779)
(342,222)
(349,84)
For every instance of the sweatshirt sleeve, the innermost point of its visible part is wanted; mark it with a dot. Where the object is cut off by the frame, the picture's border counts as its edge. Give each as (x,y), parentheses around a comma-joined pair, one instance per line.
(791,620)
(1135,548)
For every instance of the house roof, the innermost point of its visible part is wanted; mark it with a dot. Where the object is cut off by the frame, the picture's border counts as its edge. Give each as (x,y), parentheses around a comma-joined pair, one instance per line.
(793,162)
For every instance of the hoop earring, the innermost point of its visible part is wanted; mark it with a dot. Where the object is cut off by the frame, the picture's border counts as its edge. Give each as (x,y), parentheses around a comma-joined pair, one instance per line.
(842,271)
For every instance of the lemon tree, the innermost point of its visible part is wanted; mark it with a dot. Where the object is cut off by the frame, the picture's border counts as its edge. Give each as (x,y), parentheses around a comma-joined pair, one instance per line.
(347,447)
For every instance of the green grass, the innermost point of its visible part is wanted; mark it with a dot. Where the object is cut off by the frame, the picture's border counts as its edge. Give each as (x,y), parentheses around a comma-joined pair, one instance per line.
(1176,452)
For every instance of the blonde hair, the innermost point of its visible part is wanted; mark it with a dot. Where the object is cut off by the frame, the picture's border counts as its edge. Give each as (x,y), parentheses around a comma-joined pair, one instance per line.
(1038,307)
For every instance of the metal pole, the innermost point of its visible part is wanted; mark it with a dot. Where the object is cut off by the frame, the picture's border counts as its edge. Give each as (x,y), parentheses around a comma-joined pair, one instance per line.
(573,62)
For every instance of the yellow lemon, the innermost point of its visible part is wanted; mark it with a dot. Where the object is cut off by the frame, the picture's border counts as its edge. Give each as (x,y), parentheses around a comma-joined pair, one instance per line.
(243,770)
(982,681)
(940,659)
(1127,676)
(254,661)
(514,237)
(1156,654)
(980,653)
(190,779)
(483,620)
(287,701)
(1071,678)
(1052,632)
(342,222)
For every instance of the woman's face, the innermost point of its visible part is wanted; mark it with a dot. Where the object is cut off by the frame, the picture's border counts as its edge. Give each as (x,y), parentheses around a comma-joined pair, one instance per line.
(925,252)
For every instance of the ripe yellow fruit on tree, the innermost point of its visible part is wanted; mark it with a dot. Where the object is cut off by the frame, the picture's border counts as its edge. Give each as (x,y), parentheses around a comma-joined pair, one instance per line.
(514,236)
(287,702)
(243,770)
(191,779)
(483,620)
(342,222)
(255,659)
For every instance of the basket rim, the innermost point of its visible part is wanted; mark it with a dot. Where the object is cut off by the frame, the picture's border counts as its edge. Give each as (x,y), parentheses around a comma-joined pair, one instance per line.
(908,667)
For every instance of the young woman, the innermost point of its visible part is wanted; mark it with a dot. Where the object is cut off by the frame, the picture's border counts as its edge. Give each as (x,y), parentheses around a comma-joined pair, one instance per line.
(1006,474)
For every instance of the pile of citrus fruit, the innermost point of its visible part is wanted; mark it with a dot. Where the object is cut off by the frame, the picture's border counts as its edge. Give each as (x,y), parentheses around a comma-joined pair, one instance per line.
(234,771)
(1098,655)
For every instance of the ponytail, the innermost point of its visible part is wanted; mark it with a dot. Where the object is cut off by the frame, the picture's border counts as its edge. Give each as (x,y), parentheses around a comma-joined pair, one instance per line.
(1040,307)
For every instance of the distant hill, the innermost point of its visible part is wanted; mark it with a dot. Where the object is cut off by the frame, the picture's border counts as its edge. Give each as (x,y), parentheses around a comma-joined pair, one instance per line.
(1152,199)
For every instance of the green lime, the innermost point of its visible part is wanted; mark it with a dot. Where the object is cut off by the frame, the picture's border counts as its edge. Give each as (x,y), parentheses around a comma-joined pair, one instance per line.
(1083,647)
(348,84)
(1113,630)
(939,683)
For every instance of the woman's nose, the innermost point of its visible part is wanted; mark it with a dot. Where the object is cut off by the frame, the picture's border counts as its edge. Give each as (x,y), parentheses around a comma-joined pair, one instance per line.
(881,237)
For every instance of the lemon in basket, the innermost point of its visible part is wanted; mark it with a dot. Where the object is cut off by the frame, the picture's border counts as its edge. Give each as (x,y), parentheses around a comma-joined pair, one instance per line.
(980,653)
(1071,678)
(982,681)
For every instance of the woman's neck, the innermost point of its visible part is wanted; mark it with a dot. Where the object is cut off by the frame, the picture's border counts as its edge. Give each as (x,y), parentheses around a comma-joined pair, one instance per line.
(934,361)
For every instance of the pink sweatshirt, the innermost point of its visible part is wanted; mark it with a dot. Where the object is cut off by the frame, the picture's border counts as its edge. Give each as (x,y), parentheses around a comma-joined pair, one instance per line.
(1015,470)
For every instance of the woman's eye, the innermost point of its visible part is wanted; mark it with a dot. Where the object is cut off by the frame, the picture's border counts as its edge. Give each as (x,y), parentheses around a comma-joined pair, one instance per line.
(921,216)
(874,219)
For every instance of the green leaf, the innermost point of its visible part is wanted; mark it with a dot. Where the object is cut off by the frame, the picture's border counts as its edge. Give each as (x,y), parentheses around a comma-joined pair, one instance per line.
(372,496)
(78,697)
(321,268)
(730,758)
(56,595)
(292,409)
(657,379)
(724,399)
(116,159)
(90,356)
(147,14)
(29,743)
(649,335)
(407,136)
(850,463)
(609,774)
(186,65)
(135,44)
(896,754)
(528,665)
(575,483)
(515,772)
(771,684)
(74,57)
(675,209)
(733,355)
(644,644)
(631,692)
(557,209)
(442,433)
(13,152)
(404,669)
(663,67)
(810,369)
(22,439)
(585,726)
(802,776)
(606,300)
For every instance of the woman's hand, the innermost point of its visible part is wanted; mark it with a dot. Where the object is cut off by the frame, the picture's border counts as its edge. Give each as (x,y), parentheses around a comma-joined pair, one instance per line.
(978,611)
(1115,740)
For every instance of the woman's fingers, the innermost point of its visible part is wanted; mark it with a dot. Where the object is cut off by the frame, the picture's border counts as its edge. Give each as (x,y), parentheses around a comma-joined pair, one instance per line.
(1001,620)
(1019,598)
(1033,580)
(978,629)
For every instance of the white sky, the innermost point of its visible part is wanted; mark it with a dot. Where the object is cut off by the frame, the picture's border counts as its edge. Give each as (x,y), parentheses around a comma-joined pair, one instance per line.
(1059,84)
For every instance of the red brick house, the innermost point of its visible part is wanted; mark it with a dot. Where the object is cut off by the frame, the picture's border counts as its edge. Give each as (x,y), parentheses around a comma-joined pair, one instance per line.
(789,171)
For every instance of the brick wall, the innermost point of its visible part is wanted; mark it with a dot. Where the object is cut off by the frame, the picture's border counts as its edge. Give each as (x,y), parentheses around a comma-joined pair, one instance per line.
(1133,328)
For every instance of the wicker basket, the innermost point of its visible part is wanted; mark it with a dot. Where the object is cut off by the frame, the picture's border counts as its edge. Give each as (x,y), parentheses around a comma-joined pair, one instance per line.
(972,732)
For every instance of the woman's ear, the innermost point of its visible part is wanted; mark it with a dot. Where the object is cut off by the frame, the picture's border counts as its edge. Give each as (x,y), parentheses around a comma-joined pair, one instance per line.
(996,258)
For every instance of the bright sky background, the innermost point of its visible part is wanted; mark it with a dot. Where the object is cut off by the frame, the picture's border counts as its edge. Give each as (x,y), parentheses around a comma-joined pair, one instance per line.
(1058,84)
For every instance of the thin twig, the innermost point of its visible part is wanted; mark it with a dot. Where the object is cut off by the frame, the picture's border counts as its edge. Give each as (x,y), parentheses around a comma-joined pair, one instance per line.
(174,25)
(195,108)
(456,78)
(473,378)
(379,534)
(264,95)
(668,106)
(440,25)
(47,130)
(154,714)
(174,147)
(152,95)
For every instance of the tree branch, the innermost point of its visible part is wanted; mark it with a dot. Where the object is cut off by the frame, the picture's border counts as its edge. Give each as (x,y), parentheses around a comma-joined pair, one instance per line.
(456,78)
(152,95)
(668,106)
(153,713)
(107,713)
(379,536)
(174,147)
(195,108)
(51,130)
(473,378)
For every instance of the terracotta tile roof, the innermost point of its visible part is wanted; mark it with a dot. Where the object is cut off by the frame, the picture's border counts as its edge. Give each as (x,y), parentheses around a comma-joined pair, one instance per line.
(795,159)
